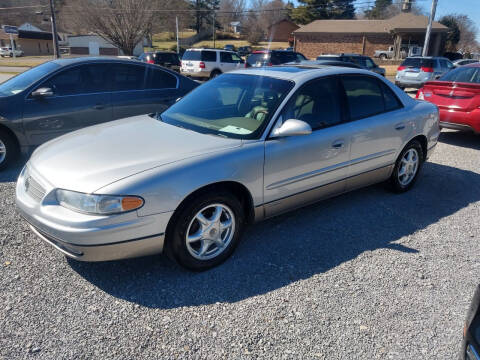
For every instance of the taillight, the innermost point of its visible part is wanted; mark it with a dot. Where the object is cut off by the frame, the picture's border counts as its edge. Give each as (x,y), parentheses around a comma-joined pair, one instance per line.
(269,64)
(400,68)
(201,65)
(426,69)
(246,64)
(150,61)
(420,95)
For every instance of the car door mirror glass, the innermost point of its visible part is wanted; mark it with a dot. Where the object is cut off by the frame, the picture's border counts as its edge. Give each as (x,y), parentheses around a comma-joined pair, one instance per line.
(292,127)
(42,92)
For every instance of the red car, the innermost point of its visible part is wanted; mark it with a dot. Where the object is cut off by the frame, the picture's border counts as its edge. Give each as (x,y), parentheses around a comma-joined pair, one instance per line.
(457,95)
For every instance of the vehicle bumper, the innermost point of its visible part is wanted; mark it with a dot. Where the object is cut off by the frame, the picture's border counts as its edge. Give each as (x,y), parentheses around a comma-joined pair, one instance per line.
(460,120)
(410,83)
(195,73)
(90,237)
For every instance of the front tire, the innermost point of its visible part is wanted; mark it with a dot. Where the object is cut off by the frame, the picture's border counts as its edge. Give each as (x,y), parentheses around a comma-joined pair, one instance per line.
(407,167)
(206,231)
(8,149)
(383,56)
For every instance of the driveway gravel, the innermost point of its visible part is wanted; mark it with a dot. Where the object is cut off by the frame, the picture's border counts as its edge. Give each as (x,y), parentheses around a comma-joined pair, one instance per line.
(367,275)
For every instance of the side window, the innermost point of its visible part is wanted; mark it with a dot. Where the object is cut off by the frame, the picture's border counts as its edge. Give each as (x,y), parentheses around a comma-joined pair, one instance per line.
(209,56)
(128,77)
(365,98)
(226,57)
(236,58)
(370,63)
(95,78)
(159,79)
(68,82)
(449,65)
(391,100)
(317,103)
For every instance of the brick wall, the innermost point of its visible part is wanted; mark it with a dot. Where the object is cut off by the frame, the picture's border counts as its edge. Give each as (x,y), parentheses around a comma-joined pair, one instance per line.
(281,31)
(312,45)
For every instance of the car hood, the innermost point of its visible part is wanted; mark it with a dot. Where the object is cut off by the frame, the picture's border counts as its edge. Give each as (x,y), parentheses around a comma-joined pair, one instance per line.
(91,158)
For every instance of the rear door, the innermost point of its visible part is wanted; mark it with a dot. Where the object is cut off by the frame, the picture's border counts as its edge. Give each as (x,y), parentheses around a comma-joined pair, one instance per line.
(81,98)
(209,57)
(379,128)
(140,89)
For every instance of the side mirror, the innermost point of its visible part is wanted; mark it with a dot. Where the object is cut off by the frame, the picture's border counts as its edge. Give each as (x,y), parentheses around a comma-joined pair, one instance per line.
(178,99)
(437,77)
(292,127)
(42,93)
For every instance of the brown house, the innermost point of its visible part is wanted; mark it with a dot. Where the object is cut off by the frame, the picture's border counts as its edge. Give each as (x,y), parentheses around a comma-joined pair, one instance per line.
(30,42)
(282,31)
(366,36)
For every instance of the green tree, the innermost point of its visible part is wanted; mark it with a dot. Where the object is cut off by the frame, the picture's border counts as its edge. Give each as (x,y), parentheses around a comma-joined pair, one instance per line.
(379,10)
(311,10)
(453,33)
(204,10)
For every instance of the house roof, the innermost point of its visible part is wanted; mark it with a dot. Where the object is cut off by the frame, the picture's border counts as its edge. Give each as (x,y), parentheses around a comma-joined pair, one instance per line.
(284,20)
(402,22)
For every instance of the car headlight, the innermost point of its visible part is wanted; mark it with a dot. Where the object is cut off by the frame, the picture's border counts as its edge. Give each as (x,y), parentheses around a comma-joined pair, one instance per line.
(98,204)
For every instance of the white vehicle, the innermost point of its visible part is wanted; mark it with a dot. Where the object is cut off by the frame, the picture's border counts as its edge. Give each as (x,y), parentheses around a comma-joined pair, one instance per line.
(208,63)
(7,51)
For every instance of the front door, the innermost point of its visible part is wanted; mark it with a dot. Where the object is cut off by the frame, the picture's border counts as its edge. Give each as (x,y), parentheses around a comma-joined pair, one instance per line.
(80,98)
(302,169)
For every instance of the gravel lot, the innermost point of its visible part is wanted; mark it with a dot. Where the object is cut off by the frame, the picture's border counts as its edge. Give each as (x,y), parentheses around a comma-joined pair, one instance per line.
(363,276)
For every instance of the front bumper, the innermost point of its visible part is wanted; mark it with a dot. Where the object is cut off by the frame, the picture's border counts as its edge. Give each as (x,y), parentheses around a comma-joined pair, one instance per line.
(89,237)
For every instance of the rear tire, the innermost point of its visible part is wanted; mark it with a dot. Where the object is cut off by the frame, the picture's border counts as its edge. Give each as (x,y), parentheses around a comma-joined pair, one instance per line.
(200,226)
(407,168)
(8,149)
(215,73)
(383,56)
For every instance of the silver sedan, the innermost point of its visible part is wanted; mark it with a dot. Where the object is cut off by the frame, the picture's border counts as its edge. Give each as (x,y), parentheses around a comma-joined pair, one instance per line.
(243,147)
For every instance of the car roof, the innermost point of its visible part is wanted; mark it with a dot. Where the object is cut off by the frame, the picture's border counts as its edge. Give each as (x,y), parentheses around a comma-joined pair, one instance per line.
(209,49)
(299,73)
(88,59)
(270,51)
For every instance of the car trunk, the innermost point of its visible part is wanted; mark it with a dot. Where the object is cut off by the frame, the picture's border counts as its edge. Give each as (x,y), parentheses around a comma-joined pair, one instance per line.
(453,95)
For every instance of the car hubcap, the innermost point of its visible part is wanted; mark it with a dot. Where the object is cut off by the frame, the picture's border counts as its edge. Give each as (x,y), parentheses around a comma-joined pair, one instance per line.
(210,231)
(3,151)
(408,167)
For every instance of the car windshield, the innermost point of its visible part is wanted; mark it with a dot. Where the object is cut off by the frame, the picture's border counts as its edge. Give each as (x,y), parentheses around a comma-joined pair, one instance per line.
(22,81)
(232,105)
(464,75)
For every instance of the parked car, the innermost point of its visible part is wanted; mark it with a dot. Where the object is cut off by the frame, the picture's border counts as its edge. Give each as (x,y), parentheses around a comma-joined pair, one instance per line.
(457,95)
(166,59)
(416,71)
(452,56)
(363,61)
(245,146)
(462,62)
(6,51)
(68,94)
(471,330)
(322,63)
(389,54)
(261,58)
(209,63)
(290,48)
(229,47)
(244,50)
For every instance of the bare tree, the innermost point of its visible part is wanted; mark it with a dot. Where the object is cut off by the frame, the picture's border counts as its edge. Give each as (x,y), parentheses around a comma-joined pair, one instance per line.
(230,11)
(124,23)
(468,30)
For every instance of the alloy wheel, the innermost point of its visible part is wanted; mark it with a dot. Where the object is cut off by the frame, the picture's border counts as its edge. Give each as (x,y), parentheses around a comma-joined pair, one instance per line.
(210,231)
(408,167)
(3,151)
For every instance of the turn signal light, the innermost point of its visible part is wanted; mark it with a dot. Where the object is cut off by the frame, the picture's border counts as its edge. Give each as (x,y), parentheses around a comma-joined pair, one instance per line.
(131,203)
(150,61)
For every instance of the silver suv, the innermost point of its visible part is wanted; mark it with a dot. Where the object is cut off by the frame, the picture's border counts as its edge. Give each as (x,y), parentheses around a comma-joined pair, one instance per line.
(416,71)
(209,63)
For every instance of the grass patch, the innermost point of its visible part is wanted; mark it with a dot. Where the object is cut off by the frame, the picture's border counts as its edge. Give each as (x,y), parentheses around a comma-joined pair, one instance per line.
(25,61)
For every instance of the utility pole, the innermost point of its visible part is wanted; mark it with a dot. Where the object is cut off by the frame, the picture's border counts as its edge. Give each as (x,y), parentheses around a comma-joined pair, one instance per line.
(429,27)
(176,26)
(213,28)
(56,53)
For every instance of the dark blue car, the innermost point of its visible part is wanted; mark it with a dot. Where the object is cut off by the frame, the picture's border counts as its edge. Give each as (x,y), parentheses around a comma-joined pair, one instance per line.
(63,95)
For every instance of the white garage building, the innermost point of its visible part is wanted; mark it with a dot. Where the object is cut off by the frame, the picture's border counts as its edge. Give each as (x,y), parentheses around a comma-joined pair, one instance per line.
(96,45)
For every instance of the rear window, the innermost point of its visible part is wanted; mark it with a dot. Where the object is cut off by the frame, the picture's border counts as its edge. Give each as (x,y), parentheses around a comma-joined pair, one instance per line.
(465,75)
(329,58)
(192,55)
(258,58)
(170,58)
(418,62)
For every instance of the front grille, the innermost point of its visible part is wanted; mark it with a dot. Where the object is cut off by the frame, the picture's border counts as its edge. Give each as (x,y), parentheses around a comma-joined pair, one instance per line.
(34,189)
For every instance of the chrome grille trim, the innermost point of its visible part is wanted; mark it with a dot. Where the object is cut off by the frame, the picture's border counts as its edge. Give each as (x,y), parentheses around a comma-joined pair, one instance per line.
(34,189)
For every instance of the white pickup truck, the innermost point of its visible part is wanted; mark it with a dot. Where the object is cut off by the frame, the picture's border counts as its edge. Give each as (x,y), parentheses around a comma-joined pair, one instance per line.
(7,51)
(388,54)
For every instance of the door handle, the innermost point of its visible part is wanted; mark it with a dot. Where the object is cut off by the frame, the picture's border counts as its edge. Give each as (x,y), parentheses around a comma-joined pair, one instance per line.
(338,144)
(400,126)
(99,106)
